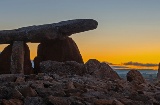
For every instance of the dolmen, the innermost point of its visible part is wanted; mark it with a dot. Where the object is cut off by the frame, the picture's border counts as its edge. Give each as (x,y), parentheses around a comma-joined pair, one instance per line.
(55,44)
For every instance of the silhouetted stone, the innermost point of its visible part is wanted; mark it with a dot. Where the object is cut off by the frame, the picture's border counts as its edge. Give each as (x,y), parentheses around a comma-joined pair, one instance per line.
(92,65)
(48,31)
(5,60)
(135,76)
(105,71)
(58,50)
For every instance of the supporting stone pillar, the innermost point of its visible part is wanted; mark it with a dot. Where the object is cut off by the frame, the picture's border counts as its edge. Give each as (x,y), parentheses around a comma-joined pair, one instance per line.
(17,58)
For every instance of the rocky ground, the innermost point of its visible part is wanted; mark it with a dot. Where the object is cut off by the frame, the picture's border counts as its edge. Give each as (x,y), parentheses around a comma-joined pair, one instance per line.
(72,83)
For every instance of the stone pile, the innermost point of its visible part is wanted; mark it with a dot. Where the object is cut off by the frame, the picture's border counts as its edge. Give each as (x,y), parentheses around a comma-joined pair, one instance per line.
(54,86)
(54,40)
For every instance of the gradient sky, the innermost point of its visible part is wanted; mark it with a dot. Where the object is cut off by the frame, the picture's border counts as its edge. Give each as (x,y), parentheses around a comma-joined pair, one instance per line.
(129,30)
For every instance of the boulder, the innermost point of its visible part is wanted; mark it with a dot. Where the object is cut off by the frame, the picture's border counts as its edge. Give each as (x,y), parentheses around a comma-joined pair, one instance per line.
(92,65)
(5,60)
(100,70)
(105,71)
(57,50)
(135,76)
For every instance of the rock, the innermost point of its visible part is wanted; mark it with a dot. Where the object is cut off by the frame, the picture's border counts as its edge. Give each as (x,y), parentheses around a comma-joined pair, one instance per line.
(105,71)
(135,76)
(116,102)
(5,60)
(17,58)
(158,74)
(103,102)
(27,91)
(58,100)
(92,65)
(6,92)
(8,78)
(58,50)
(48,31)
(20,79)
(62,68)
(34,101)
(17,95)
(12,102)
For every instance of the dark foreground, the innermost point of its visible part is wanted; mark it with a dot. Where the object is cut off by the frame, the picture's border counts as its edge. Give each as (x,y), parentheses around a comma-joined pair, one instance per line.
(72,83)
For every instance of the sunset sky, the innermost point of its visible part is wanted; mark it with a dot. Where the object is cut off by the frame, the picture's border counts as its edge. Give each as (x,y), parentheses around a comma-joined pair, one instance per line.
(128,30)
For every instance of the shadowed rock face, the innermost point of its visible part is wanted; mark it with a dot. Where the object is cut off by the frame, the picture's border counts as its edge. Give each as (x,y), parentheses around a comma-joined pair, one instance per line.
(100,70)
(58,50)
(5,60)
(135,76)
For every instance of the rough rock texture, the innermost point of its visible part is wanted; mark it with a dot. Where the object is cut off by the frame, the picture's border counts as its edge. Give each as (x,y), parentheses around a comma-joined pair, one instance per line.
(53,88)
(5,60)
(100,70)
(57,50)
(48,31)
(135,76)
(158,74)
(61,68)
(17,58)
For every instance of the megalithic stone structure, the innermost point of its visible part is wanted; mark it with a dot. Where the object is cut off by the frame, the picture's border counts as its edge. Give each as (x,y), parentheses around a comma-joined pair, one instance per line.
(48,31)
(38,34)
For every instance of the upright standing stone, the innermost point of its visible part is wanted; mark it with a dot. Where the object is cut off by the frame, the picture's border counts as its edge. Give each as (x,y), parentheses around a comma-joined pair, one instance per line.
(158,74)
(5,60)
(58,50)
(17,58)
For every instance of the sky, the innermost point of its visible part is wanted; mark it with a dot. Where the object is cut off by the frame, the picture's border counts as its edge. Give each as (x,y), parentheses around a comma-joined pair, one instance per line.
(128,30)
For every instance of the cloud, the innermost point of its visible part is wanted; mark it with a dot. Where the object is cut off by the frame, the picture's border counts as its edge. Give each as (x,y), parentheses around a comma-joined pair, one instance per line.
(140,64)
(119,67)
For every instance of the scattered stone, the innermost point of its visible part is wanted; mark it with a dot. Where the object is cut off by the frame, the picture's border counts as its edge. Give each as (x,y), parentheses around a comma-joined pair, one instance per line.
(34,101)
(103,102)
(58,100)
(105,71)
(116,102)
(12,102)
(27,91)
(135,76)
(62,68)
(92,65)
(64,83)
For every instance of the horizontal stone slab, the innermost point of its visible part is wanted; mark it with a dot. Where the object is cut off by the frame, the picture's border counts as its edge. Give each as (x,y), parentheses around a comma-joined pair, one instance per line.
(45,32)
